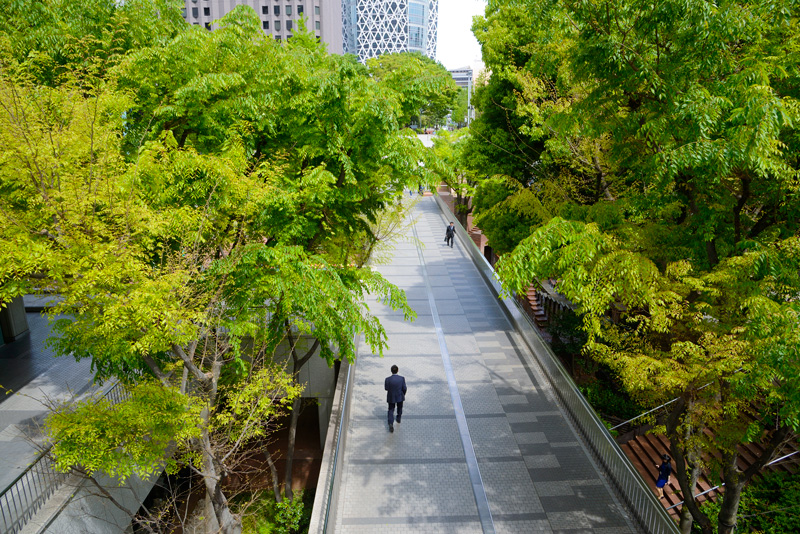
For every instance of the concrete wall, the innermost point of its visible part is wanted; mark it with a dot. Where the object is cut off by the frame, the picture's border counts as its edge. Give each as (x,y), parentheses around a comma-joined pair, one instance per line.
(78,507)
(319,380)
(332,26)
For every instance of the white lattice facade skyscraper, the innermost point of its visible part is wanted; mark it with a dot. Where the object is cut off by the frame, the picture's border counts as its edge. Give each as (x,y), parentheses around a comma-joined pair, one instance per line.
(374,27)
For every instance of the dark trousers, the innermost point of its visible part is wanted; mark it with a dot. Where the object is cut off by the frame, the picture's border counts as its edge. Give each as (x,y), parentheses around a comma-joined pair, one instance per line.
(449,240)
(391,411)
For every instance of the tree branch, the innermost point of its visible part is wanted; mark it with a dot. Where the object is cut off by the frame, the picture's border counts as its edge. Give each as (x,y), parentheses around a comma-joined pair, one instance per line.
(778,437)
(187,361)
(156,369)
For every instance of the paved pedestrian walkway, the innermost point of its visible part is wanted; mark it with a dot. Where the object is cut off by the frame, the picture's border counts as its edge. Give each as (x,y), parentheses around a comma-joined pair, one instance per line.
(30,376)
(483,446)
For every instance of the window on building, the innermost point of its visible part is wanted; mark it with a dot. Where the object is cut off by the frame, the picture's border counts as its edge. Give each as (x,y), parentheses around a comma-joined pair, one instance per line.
(288,27)
(416,37)
(289,36)
(265,24)
(316,10)
(195,12)
(277,25)
(208,25)
(316,25)
(278,38)
(183,12)
(265,10)
(276,10)
(288,11)
(416,14)
(207,11)
(299,10)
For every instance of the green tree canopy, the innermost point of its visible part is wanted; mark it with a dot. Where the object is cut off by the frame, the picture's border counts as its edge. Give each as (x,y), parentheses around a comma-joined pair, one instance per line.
(190,204)
(424,87)
(668,185)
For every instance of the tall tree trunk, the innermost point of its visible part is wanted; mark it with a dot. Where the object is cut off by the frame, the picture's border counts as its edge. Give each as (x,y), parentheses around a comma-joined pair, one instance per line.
(686,519)
(273,474)
(711,252)
(228,524)
(730,505)
(212,478)
(735,480)
(297,364)
(679,409)
(734,484)
(461,214)
(290,449)
(209,516)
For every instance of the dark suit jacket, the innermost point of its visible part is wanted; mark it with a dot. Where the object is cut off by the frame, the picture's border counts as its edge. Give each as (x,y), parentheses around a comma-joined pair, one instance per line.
(450,231)
(395,386)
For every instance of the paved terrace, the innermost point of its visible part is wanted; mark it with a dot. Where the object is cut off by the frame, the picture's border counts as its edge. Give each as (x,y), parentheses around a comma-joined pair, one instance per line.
(30,375)
(483,446)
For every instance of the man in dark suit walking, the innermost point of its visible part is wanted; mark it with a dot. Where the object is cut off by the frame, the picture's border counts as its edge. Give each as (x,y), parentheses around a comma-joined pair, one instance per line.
(449,234)
(395,386)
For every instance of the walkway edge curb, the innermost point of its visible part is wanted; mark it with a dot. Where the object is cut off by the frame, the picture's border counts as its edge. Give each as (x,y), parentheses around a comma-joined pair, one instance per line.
(323,514)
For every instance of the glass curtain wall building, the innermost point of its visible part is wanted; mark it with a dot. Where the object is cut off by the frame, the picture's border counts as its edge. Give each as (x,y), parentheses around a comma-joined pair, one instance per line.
(374,27)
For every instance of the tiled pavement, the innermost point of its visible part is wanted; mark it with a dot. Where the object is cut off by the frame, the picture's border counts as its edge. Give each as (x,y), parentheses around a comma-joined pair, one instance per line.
(29,374)
(534,471)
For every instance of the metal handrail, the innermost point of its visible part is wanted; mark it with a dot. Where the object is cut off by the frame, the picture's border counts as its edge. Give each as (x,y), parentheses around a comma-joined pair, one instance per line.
(27,493)
(773,462)
(739,370)
(336,450)
(323,516)
(643,414)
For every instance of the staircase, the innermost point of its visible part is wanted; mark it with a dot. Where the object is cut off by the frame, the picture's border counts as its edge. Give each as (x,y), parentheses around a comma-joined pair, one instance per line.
(645,453)
(537,310)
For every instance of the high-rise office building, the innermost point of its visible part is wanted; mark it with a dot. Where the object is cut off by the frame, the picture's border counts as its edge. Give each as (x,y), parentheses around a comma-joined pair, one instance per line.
(374,27)
(462,77)
(278,17)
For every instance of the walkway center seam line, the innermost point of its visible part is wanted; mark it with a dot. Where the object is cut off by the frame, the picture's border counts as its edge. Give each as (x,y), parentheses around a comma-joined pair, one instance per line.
(481,501)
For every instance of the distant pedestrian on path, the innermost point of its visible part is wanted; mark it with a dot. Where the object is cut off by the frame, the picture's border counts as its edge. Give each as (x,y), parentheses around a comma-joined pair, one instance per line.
(395,386)
(449,234)
(664,471)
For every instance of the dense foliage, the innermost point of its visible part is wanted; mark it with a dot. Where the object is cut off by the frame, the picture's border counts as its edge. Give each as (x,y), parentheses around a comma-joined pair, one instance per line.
(645,156)
(428,90)
(769,505)
(202,201)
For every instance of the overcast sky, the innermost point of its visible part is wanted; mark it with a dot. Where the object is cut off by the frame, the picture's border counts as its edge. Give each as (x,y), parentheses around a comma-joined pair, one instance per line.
(456,46)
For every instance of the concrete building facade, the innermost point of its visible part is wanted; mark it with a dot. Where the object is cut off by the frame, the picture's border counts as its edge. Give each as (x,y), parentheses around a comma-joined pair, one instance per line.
(374,27)
(464,80)
(279,18)
(462,77)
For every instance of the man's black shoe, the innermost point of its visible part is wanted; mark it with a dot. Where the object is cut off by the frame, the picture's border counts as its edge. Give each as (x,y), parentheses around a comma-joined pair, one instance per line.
(391,428)
(398,419)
